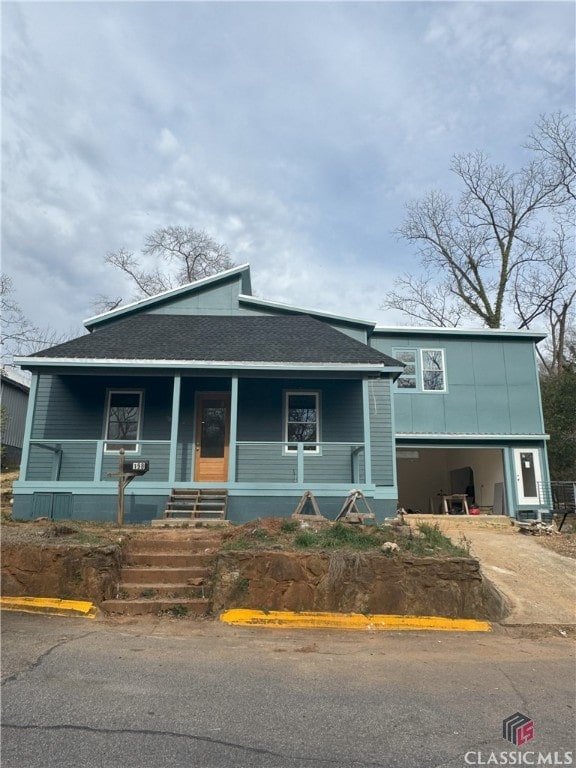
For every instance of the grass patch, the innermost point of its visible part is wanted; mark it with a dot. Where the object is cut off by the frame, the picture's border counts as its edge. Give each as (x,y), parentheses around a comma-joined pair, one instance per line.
(431,541)
(289,535)
(339,536)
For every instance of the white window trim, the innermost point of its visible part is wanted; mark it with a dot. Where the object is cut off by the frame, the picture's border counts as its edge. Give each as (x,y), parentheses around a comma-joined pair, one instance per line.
(109,393)
(443,356)
(418,375)
(413,376)
(292,450)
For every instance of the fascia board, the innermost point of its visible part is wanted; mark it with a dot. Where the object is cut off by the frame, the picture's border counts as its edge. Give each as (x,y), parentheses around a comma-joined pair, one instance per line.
(495,333)
(188,288)
(67,362)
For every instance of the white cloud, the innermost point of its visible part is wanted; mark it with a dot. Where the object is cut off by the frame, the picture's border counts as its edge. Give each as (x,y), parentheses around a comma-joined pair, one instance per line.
(294,132)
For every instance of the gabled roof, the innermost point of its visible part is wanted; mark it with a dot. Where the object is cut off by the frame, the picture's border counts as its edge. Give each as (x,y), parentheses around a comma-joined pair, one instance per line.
(243,271)
(15,378)
(238,341)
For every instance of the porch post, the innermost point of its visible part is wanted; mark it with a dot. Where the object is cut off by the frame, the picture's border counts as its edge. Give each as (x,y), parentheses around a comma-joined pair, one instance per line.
(233,430)
(28,425)
(300,463)
(174,429)
(367,442)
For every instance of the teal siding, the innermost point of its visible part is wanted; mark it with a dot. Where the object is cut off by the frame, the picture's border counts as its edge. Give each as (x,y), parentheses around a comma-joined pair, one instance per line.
(265,463)
(74,407)
(68,408)
(219,299)
(261,404)
(491,387)
(157,454)
(42,463)
(381,437)
(261,419)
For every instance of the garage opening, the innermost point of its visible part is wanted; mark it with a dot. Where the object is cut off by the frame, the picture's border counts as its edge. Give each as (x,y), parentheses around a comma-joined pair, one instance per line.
(427,475)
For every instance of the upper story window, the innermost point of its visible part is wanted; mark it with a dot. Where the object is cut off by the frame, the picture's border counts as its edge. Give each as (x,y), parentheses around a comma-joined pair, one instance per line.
(408,378)
(302,420)
(123,420)
(433,377)
(425,370)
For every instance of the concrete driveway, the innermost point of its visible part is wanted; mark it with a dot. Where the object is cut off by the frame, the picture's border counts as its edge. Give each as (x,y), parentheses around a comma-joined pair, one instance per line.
(539,584)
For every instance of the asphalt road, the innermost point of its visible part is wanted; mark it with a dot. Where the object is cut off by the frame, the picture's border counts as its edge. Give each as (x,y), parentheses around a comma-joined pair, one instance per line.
(148,694)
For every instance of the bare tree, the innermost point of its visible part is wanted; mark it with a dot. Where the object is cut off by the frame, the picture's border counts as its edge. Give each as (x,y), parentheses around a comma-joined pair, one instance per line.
(171,256)
(19,336)
(489,255)
(546,293)
(553,142)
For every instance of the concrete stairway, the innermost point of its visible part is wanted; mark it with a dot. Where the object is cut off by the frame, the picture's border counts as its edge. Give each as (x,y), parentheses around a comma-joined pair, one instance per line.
(167,572)
(194,505)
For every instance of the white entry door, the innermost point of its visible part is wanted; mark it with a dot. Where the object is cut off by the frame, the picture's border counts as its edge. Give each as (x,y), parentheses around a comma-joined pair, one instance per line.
(528,475)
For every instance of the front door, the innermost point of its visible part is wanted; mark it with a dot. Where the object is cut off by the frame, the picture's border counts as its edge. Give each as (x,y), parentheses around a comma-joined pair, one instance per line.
(528,475)
(212,437)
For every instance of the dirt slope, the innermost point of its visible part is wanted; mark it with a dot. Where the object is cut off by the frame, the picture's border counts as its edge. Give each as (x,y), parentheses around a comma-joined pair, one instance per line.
(539,583)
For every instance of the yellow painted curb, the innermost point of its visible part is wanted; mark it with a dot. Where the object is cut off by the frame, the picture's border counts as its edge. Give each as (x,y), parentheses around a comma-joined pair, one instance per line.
(251,618)
(51,605)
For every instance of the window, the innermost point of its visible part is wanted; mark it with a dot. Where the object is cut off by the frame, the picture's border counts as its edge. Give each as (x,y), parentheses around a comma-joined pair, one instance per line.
(408,378)
(123,420)
(433,370)
(301,420)
(424,371)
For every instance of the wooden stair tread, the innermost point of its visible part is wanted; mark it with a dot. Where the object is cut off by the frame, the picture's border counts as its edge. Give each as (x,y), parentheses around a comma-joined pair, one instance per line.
(200,504)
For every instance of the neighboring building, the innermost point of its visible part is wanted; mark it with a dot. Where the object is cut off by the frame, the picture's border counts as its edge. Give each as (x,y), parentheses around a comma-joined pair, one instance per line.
(218,389)
(14,391)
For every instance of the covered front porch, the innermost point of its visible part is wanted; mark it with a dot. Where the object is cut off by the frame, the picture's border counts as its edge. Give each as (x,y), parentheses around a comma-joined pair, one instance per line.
(264,439)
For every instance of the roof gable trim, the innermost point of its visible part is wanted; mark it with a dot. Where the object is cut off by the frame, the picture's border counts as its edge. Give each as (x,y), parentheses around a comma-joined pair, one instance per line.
(198,285)
(265,303)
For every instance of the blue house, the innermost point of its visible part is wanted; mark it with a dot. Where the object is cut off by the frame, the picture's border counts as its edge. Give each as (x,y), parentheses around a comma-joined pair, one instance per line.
(260,402)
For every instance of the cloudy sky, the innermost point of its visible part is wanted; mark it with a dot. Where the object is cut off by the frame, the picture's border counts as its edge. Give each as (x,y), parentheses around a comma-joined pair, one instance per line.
(293,132)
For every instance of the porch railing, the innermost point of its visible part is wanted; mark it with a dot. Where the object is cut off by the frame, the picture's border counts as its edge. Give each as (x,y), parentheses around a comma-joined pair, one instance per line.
(326,462)
(256,462)
(86,460)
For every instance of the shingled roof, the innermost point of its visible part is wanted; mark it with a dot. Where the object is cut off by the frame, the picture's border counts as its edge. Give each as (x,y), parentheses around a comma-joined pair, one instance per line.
(219,338)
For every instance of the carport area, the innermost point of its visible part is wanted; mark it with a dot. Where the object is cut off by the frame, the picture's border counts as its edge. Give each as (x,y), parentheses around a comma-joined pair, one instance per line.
(426,475)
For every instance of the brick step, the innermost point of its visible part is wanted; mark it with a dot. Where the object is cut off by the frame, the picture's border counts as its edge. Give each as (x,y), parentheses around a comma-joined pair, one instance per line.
(151,575)
(196,606)
(170,559)
(152,591)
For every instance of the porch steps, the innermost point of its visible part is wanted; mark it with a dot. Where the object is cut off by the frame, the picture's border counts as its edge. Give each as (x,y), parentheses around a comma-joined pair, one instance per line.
(167,572)
(196,505)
